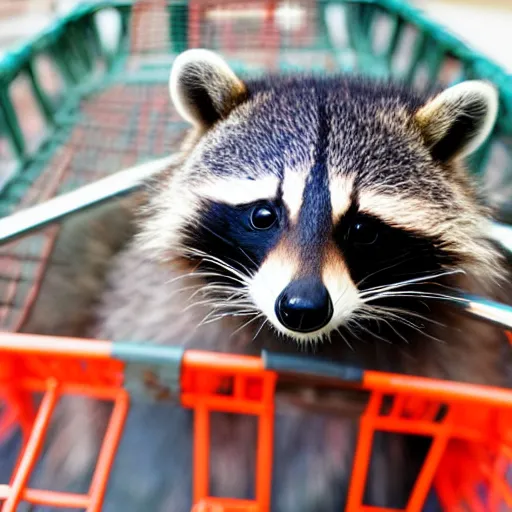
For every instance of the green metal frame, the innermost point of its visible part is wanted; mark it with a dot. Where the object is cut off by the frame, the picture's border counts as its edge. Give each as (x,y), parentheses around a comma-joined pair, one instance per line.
(74,46)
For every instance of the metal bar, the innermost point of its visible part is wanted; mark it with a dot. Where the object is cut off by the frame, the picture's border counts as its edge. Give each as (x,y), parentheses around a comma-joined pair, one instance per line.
(490,311)
(121,183)
(502,233)
(301,367)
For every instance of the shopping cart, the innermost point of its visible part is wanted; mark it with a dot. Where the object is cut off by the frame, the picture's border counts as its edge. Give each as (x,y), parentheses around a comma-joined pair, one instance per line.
(79,103)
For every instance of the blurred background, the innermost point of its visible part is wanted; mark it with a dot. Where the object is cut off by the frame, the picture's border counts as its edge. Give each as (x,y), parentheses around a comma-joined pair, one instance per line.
(485,24)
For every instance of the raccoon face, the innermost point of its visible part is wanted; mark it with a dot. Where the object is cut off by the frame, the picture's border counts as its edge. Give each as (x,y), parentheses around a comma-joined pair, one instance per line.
(316,201)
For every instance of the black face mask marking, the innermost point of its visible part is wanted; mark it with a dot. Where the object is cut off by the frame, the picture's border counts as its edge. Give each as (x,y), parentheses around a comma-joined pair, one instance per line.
(241,236)
(379,254)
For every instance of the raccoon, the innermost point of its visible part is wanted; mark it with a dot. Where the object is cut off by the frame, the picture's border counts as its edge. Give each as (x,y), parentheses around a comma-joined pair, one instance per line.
(327,216)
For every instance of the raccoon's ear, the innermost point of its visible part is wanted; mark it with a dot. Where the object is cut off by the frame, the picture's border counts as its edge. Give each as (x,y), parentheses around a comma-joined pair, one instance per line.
(203,87)
(458,120)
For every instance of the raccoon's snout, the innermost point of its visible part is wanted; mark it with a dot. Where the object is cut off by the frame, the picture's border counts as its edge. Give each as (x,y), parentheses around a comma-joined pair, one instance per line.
(304,306)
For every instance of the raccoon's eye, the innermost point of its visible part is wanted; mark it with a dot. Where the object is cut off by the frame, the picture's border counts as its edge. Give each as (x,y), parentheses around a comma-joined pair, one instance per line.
(263,217)
(363,232)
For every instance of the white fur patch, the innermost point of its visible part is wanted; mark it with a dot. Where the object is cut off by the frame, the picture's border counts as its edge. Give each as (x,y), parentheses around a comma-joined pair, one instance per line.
(273,276)
(293,190)
(343,292)
(236,191)
(404,212)
(340,189)
(161,234)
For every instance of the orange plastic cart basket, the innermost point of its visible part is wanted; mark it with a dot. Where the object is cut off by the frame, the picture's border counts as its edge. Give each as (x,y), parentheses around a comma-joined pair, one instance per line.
(470,426)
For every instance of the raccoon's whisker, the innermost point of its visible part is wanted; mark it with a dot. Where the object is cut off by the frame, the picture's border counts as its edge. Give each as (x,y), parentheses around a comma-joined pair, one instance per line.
(342,292)
(417,329)
(221,263)
(411,314)
(216,314)
(201,274)
(407,313)
(445,286)
(234,312)
(396,261)
(226,295)
(401,284)
(219,290)
(265,320)
(206,318)
(258,315)
(186,289)
(345,339)
(352,331)
(178,278)
(209,273)
(225,266)
(242,279)
(216,307)
(403,260)
(383,317)
(222,276)
(189,251)
(230,243)
(215,303)
(415,294)
(390,325)
(248,257)
(227,310)
(412,325)
(372,334)
(233,276)
(215,298)
(404,283)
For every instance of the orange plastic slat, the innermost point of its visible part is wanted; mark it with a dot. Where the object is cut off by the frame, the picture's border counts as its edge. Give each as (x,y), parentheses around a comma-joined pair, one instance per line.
(108,451)
(32,449)
(52,498)
(362,454)
(226,505)
(54,345)
(201,452)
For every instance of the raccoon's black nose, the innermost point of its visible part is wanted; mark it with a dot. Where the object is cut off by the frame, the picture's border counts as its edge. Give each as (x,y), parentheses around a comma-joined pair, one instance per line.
(304,305)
